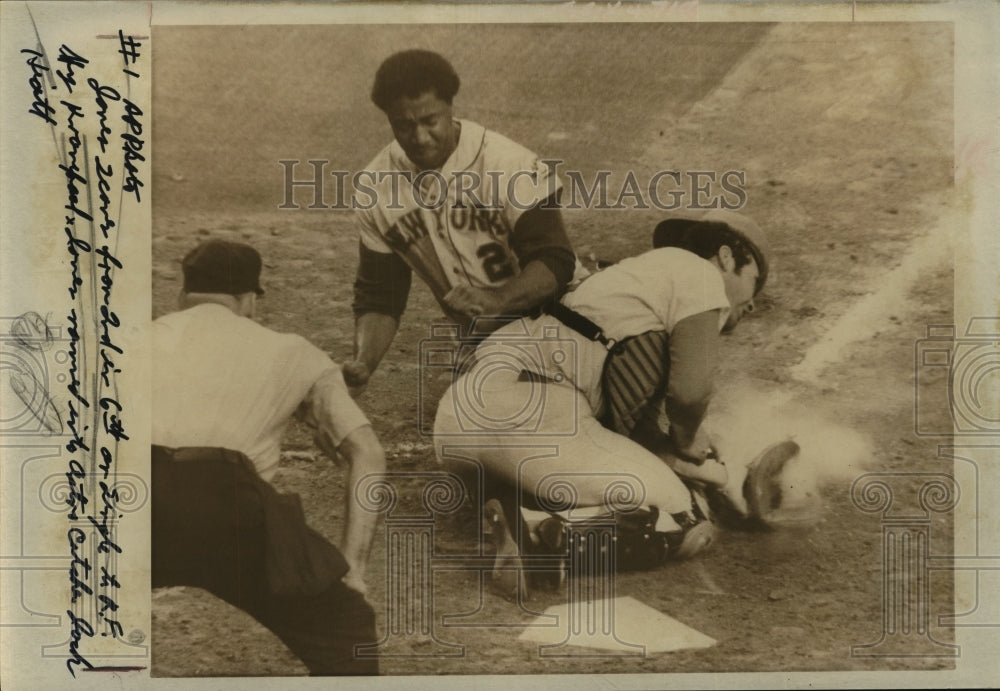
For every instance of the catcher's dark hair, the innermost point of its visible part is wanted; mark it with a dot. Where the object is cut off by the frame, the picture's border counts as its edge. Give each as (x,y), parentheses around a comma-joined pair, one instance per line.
(411,73)
(705,239)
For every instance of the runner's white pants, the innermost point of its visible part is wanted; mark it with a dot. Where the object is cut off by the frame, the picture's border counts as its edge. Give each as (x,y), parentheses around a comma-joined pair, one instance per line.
(543,437)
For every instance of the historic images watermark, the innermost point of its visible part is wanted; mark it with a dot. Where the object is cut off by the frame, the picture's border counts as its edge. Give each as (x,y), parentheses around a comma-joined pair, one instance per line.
(582,560)
(955,396)
(664,190)
(576,555)
(907,559)
(27,361)
(962,371)
(906,502)
(35,357)
(451,352)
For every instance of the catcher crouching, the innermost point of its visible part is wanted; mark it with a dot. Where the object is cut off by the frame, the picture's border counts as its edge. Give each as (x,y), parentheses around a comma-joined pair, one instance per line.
(561,412)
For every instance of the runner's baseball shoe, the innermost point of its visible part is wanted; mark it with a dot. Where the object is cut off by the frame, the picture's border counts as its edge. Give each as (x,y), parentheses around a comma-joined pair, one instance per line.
(694,539)
(697,532)
(754,492)
(508,571)
(762,488)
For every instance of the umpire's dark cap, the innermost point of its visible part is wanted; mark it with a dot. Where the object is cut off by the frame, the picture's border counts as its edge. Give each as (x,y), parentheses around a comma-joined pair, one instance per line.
(674,232)
(218,266)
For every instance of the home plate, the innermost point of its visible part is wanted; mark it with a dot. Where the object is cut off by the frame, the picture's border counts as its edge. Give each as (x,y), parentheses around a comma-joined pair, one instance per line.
(620,624)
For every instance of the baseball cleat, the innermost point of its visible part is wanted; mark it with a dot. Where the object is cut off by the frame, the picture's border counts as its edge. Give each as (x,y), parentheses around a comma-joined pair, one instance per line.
(762,487)
(552,542)
(694,539)
(753,494)
(508,572)
(697,532)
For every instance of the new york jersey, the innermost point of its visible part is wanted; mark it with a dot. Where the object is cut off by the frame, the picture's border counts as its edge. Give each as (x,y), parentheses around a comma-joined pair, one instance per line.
(453,226)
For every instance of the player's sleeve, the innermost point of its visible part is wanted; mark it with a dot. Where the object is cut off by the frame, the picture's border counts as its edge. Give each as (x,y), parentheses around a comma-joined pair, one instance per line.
(382,283)
(369,232)
(539,235)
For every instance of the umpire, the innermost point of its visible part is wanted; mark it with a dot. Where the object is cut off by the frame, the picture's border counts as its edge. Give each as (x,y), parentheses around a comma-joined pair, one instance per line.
(224,389)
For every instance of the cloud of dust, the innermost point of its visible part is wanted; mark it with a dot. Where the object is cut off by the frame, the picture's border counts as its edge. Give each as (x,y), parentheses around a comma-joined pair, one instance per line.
(747,417)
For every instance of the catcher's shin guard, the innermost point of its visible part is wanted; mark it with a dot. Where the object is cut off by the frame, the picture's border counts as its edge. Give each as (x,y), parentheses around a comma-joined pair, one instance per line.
(639,545)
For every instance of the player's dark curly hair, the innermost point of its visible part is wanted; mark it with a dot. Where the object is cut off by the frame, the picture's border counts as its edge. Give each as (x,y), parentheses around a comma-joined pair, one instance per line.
(705,238)
(412,73)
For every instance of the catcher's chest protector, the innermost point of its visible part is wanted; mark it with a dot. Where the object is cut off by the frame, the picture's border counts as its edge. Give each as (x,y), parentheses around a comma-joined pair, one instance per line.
(634,380)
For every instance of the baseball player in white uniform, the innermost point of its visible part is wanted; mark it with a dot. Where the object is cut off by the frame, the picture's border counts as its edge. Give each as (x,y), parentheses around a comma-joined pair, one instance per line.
(472,213)
(575,395)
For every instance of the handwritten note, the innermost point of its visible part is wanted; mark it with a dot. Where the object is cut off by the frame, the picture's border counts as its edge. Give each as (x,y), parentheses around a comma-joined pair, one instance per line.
(99,137)
(75,270)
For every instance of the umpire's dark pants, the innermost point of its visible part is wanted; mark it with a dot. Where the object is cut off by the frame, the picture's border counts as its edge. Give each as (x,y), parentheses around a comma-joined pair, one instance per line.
(208,532)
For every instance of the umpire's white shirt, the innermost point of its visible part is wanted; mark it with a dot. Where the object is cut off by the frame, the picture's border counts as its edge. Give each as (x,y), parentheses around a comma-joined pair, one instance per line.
(223,380)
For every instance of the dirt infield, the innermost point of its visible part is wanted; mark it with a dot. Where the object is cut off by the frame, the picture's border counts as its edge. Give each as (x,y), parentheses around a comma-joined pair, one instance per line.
(844,135)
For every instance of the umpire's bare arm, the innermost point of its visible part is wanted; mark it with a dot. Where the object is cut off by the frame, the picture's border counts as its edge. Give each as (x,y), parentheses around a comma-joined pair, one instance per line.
(363,454)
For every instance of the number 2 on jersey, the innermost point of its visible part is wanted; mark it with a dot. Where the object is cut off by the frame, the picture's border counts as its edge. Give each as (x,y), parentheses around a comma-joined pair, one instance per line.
(496,263)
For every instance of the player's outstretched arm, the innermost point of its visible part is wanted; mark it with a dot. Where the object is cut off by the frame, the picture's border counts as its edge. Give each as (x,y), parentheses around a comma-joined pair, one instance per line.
(373,334)
(381,289)
(545,254)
